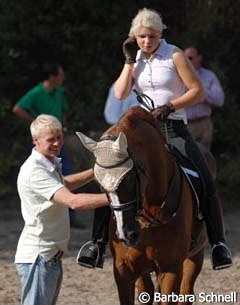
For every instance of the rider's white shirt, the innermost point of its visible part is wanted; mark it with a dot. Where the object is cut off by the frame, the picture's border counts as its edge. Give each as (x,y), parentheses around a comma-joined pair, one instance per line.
(158,78)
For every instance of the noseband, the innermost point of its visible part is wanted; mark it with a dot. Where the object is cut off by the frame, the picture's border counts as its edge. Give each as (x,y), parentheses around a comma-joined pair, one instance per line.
(130,204)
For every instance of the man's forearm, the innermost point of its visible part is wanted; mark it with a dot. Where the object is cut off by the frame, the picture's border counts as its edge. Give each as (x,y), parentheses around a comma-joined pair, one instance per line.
(82,201)
(79,179)
(22,114)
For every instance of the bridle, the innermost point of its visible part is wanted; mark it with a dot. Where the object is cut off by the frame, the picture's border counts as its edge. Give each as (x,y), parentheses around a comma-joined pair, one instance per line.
(137,169)
(142,215)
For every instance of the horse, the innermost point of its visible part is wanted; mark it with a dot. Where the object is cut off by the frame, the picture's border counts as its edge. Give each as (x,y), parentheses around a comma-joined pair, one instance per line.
(154,214)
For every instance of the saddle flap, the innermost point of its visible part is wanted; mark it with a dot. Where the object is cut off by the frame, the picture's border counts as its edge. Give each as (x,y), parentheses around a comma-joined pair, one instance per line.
(193,176)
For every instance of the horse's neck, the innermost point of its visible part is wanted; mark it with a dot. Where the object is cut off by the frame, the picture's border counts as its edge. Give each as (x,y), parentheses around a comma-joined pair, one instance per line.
(140,127)
(160,170)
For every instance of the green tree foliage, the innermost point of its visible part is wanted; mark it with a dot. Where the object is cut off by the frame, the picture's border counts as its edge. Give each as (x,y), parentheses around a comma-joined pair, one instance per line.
(86,36)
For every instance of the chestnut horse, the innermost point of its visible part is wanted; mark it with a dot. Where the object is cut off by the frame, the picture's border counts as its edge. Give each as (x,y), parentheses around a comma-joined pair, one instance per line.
(154,214)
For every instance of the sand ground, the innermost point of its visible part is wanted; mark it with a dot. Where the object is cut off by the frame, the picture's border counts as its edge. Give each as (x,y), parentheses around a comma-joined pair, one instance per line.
(83,286)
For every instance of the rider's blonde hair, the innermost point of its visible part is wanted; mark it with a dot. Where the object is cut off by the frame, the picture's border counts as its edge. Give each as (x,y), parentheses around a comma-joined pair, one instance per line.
(148,18)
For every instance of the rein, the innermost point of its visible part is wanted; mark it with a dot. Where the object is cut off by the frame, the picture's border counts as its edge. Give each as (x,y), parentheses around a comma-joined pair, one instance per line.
(144,100)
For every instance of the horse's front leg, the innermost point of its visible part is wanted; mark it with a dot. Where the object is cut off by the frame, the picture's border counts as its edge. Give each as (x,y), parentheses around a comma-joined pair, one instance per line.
(125,281)
(191,268)
(169,282)
(145,285)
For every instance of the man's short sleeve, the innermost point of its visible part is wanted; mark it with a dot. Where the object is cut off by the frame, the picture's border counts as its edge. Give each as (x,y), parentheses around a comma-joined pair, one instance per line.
(44,182)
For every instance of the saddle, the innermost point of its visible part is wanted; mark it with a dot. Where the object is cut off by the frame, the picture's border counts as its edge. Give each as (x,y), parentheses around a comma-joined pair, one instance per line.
(193,176)
(198,188)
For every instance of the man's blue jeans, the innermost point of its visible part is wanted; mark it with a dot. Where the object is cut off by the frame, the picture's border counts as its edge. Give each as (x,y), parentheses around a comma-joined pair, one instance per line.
(40,281)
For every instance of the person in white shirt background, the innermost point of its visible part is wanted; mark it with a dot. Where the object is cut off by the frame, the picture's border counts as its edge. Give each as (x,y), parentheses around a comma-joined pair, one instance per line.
(114,107)
(200,115)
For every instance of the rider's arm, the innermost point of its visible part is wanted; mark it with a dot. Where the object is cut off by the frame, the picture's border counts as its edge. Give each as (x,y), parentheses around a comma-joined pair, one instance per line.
(189,77)
(123,84)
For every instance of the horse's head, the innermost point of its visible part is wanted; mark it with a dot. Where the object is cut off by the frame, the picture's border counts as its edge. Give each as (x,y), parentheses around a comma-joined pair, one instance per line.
(115,172)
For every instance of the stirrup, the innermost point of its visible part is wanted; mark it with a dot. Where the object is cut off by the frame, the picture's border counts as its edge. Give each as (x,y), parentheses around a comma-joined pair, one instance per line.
(221,260)
(88,255)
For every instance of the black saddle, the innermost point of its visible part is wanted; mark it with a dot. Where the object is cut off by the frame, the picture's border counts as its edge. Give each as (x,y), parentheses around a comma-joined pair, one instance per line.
(193,176)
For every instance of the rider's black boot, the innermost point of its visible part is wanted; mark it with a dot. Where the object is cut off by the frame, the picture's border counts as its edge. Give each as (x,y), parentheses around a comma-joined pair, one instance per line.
(221,255)
(91,254)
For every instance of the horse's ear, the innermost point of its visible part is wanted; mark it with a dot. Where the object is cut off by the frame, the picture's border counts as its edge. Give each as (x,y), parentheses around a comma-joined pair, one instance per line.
(87,142)
(121,143)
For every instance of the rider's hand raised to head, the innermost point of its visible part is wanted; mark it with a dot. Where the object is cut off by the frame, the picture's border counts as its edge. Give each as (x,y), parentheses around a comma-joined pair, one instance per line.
(130,49)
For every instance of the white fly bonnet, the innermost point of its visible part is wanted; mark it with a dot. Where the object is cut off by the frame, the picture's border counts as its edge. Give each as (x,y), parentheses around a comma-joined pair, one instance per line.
(112,160)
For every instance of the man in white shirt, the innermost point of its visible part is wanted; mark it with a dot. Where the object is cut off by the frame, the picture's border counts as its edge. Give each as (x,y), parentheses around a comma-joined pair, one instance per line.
(45,198)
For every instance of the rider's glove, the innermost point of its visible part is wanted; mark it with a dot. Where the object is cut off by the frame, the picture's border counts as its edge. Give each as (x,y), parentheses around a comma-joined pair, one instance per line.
(130,49)
(162,112)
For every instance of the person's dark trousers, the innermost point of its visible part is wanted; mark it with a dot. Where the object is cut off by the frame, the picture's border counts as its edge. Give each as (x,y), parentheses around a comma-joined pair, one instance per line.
(100,225)
(211,207)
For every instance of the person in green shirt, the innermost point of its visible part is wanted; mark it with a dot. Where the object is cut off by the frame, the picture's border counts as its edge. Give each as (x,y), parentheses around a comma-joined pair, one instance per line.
(47,97)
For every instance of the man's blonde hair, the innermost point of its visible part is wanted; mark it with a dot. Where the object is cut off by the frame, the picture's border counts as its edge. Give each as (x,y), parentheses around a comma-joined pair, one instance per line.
(148,18)
(42,122)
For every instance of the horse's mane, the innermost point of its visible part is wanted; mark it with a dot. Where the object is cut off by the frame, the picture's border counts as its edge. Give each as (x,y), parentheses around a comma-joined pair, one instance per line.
(135,119)
(137,115)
